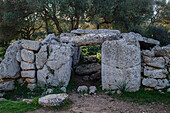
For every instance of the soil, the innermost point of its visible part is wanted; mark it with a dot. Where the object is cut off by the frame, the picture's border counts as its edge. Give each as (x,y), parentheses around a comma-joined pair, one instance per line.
(102,103)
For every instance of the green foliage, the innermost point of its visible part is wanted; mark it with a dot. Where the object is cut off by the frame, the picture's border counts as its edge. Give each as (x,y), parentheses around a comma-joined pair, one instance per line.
(90,50)
(143,96)
(18,106)
(72,85)
(158,33)
(22,91)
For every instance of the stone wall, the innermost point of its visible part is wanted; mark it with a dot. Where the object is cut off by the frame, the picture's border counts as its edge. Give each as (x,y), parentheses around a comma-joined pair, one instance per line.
(50,62)
(156,67)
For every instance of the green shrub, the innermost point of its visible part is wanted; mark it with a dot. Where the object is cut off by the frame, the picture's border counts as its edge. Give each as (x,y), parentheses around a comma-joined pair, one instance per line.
(159,33)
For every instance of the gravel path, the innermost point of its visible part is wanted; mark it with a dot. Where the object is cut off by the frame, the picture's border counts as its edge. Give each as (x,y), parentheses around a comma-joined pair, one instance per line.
(105,104)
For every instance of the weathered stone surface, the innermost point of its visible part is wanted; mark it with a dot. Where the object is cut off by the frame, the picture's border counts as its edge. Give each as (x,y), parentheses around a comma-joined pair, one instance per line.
(82,89)
(86,69)
(162,51)
(92,89)
(96,76)
(2,94)
(31,45)
(52,99)
(67,34)
(121,65)
(27,66)
(168,90)
(76,55)
(51,39)
(41,57)
(9,67)
(7,85)
(162,83)
(149,82)
(60,61)
(148,53)
(28,74)
(31,80)
(138,37)
(31,86)
(44,76)
(27,55)
(95,31)
(158,62)
(90,39)
(18,56)
(155,73)
(63,89)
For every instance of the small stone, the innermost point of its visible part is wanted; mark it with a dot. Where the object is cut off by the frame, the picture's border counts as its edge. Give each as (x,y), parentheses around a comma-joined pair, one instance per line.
(119,92)
(7,85)
(31,86)
(20,80)
(86,78)
(28,100)
(2,99)
(27,66)
(29,74)
(162,83)
(148,53)
(31,45)
(27,55)
(82,89)
(86,69)
(168,90)
(149,82)
(31,80)
(63,89)
(2,94)
(157,62)
(49,91)
(92,89)
(53,99)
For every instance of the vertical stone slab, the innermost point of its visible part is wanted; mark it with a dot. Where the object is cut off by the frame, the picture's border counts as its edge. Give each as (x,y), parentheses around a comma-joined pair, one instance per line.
(121,65)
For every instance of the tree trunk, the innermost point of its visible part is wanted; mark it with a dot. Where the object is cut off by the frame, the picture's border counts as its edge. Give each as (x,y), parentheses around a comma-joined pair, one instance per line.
(98,26)
(57,25)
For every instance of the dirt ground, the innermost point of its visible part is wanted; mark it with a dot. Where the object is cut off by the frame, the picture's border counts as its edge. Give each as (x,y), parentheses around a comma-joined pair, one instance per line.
(105,104)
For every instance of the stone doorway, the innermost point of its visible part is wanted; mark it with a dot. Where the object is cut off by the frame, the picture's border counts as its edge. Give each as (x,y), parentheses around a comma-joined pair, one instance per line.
(88,70)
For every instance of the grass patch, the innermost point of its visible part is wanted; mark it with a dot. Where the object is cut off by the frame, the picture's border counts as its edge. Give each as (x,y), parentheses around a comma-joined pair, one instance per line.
(72,86)
(143,96)
(18,106)
(64,105)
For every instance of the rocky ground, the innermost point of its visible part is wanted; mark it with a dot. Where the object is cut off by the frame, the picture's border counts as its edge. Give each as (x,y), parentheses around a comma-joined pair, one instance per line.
(105,104)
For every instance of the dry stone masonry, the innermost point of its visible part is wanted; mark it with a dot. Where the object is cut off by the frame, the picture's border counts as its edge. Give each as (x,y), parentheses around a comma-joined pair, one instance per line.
(127,61)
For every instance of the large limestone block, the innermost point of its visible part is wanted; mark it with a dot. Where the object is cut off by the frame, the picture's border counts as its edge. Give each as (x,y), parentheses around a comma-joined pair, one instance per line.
(155,73)
(28,74)
(149,82)
(60,61)
(121,65)
(90,39)
(27,66)
(53,99)
(27,55)
(41,57)
(44,76)
(86,69)
(95,31)
(31,45)
(157,62)
(9,67)
(7,85)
